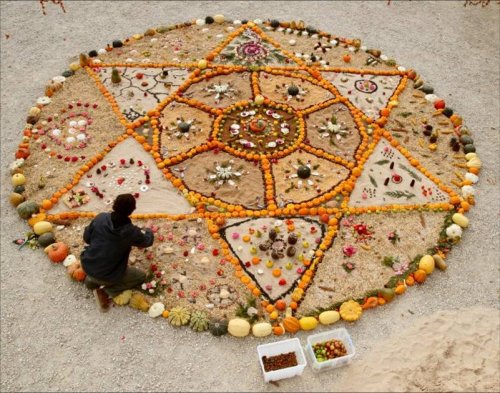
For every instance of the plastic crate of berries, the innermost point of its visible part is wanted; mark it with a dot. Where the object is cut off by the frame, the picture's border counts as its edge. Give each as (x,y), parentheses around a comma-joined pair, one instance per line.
(281,359)
(330,349)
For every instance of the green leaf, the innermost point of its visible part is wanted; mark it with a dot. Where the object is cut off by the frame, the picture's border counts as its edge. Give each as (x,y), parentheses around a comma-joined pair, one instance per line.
(399,194)
(381,162)
(410,172)
(372,180)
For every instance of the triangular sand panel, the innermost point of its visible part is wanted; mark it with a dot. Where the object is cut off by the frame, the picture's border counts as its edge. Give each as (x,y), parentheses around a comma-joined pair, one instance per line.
(262,242)
(369,93)
(388,178)
(141,89)
(249,48)
(126,169)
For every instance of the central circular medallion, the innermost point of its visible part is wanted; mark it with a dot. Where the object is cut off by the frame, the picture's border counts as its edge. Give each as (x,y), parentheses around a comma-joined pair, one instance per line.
(272,130)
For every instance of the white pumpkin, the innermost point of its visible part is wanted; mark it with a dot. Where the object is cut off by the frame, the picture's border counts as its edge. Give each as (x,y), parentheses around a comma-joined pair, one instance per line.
(156,309)
(69,260)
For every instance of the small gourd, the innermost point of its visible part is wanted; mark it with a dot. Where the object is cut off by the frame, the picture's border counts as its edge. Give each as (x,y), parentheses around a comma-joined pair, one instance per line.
(46,239)
(18,179)
(57,252)
(123,298)
(329,317)
(350,311)
(72,268)
(427,264)
(179,316)
(440,263)
(79,274)
(69,260)
(42,227)
(460,219)
(291,324)
(199,321)
(156,309)
(16,199)
(238,327)
(387,294)
(308,323)
(139,302)
(27,209)
(262,329)
(218,327)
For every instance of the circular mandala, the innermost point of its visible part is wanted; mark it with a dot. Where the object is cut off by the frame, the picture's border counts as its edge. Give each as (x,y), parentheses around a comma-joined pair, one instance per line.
(285,172)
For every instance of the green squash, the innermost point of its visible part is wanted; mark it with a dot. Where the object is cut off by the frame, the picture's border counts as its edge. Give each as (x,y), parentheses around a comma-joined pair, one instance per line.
(218,327)
(27,209)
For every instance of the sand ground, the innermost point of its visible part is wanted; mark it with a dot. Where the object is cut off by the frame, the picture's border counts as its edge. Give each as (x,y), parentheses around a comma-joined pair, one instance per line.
(53,338)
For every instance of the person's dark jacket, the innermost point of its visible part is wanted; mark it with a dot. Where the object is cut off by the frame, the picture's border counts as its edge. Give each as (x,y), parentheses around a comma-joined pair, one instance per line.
(109,244)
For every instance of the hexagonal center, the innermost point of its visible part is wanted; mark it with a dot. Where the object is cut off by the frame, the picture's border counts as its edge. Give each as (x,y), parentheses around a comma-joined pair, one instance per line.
(261,129)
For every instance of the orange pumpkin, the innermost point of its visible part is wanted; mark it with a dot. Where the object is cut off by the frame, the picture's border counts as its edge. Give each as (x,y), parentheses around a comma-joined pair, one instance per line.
(291,324)
(57,252)
(72,268)
(280,305)
(278,330)
(79,274)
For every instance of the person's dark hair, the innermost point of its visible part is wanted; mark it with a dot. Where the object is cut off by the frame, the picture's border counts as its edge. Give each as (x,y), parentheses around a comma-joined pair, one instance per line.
(124,205)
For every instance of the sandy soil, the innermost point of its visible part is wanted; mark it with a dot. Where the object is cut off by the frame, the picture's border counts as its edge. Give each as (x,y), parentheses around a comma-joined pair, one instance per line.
(53,338)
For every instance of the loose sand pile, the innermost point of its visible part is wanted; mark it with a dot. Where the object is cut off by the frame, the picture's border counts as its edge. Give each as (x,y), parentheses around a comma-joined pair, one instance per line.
(446,351)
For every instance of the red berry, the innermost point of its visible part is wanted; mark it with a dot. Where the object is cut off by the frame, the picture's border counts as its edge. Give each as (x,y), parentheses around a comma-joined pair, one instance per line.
(215,252)
(282,282)
(439,104)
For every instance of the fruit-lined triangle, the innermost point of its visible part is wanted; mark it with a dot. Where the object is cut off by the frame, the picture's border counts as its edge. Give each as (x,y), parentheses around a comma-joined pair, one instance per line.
(389,178)
(274,253)
(127,168)
(368,93)
(138,90)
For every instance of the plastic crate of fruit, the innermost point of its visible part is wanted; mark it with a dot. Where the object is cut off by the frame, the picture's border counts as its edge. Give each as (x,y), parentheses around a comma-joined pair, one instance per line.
(281,359)
(330,349)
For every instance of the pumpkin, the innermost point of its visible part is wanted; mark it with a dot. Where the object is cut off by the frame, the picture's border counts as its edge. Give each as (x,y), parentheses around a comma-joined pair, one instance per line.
(460,220)
(179,316)
(18,179)
(308,323)
(123,298)
(329,317)
(16,199)
(57,252)
(27,209)
(69,260)
(139,302)
(427,264)
(350,311)
(278,330)
(218,327)
(42,227)
(199,321)
(79,274)
(46,239)
(72,268)
(238,327)
(262,329)
(291,324)
(156,309)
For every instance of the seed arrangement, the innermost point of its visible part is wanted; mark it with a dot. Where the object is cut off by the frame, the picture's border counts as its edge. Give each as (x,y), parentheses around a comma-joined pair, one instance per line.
(291,177)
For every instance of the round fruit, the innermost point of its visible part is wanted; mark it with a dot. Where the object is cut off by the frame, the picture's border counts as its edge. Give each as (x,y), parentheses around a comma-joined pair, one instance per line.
(18,179)
(293,90)
(184,127)
(303,172)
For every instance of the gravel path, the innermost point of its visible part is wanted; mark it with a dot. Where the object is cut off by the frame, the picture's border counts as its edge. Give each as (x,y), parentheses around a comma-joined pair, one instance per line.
(52,336)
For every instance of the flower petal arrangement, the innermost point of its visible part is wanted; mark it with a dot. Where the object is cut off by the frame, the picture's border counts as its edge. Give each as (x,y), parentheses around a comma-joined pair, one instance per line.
(286,173)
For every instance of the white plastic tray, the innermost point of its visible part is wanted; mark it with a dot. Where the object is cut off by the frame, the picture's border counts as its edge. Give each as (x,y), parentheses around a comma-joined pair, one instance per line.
(338,334)
(277,348)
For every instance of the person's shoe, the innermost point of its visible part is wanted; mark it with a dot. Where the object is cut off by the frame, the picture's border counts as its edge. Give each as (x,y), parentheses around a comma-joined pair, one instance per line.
(102,299)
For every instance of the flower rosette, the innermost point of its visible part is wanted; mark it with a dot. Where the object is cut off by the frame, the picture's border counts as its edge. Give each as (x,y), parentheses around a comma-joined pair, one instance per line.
(251,51)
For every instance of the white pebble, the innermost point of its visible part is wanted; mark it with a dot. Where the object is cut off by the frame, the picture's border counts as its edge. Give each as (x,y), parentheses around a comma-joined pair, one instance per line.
(292,42)
(237,22)
(401,68)
(101,51)
(257,21)
(129,60)
(384,58)
(431,98)
(205,29)
(334,42)
(363,48)
(59,79)
(352,49)
(153,40)
(200,22)
(304,33)
(471,177)
(97,61)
